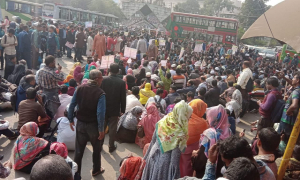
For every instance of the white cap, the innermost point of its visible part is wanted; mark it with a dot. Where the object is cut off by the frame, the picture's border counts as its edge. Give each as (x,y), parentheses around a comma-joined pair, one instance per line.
(148,74)
(217,68)
(222,57)
(212,71)
(173,65)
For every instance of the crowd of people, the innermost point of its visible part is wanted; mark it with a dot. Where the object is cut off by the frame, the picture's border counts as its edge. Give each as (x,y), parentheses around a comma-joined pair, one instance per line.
(183,112)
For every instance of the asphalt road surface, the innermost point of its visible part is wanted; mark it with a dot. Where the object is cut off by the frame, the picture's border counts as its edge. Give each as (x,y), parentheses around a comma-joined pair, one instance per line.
(109,161)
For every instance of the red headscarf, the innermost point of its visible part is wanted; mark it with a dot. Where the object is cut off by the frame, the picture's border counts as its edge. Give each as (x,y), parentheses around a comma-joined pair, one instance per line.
(60,149)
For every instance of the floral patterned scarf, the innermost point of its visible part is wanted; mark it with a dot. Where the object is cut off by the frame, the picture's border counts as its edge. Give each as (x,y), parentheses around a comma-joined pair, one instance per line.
(28,145)
(172,130)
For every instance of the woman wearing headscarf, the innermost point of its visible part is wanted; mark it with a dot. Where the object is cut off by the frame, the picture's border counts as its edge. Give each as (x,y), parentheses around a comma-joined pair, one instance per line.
(87,74)
(17,74)
(141,75)
(68,78)
(121,66)
(148,124)
(219,129)
(197,125)
(73,68)
(168,141)
(152,51)
(127,125)
(78,75)
(131,168)
(28,148)
(146,93)
(129,79)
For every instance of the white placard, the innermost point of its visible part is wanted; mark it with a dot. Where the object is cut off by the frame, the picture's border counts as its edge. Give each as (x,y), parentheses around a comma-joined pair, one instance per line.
(88,24)
(181,52)
(198,48)
(129,60)
(126,33)
(150,41)
(234,49)
(130,52)
(106,61)
(162,42)
(163,63)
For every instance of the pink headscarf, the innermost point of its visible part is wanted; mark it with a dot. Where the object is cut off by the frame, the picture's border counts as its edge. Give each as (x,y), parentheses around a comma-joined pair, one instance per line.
(148,122)
(60,149)
(84,81)
(93,64)
(219,127)
(77,74)
(129,71)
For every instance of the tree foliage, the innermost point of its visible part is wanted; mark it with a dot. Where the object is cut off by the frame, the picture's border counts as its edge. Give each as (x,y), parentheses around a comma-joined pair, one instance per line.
(213,7)
(251,10)
(107,7)
(190,6)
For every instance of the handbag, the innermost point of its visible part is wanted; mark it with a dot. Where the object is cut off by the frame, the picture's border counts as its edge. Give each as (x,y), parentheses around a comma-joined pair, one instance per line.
(140,132)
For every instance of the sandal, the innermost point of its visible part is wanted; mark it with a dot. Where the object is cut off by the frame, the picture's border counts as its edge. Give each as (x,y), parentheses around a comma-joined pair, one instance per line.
(99,172)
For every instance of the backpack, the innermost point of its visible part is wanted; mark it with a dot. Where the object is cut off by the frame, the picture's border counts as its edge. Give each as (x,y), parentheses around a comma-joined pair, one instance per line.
(5,38)
(277,111)
(158,105)
(43,42)
(249,86)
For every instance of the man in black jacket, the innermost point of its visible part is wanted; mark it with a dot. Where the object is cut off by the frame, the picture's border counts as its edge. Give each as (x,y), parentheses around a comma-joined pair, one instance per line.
(115,91)
(62,38)
(212,95)
(70,39)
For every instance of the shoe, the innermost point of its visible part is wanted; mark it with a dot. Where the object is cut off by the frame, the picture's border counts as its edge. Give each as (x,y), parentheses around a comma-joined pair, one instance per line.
(112,149)
(98,172)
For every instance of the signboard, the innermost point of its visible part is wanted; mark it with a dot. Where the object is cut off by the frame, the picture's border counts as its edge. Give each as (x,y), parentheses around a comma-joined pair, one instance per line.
(130,52)
(88,24)
(106,61)
(200,30)
(162,42)
(198,48)
(163,63)
(234,49)
(181,53)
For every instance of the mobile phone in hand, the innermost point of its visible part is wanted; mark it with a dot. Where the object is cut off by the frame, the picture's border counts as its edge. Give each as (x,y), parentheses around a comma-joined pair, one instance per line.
(244,130)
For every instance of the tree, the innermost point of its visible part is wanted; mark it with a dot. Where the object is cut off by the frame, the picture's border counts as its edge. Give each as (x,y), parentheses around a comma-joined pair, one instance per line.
(190,6)
(106,7)
(213,7)
(251,10)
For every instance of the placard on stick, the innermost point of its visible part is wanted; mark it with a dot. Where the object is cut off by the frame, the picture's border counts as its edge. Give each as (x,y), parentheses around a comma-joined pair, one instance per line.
(106,61)
(130,52)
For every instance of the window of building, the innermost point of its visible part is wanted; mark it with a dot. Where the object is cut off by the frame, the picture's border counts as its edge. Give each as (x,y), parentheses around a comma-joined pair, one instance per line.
(228,38)
(219,24)
(204,22)
(224,24)
(212,23)
(187,20)
(231,25)
(192,20)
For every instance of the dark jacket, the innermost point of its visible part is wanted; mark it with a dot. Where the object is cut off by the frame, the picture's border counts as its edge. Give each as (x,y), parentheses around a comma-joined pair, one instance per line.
(61,33)
(194,76)
(212,97)
(80,40)
(21,93)
(115,90)
(187,89)
(24,42)
(70,37)
(87,99)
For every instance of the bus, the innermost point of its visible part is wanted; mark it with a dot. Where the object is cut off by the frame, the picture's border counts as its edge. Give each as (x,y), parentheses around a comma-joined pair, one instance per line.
(24,9)
(205,28)
(58,11)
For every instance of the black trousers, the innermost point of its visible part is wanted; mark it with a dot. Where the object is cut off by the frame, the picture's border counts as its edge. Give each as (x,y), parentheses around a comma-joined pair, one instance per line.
(62,43)
(6,132)
(112,123)
(87,132)
(1,57)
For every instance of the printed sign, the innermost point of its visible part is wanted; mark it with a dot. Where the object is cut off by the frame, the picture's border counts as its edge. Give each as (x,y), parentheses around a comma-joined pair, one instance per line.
(130,52)
(106,61)
(163,63)
(88,24)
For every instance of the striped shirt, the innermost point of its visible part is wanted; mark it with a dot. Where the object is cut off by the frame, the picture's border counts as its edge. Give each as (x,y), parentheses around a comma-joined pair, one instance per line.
(48,78)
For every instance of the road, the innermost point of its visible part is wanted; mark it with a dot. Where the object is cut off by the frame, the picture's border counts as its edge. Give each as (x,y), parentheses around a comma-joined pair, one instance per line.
(109,161)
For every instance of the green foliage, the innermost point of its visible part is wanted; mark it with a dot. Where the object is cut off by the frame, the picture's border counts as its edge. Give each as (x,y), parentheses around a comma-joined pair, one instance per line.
(251,10)
(106,7)
(241,32)
(190,6)
(213,7)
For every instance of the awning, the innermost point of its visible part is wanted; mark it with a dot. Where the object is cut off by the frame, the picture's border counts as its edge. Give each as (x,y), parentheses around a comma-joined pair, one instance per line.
(284,23)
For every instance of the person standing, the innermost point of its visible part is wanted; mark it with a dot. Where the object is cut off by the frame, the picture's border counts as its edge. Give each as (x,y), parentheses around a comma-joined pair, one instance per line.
(52,42)
(9,42)
(110,44)
(80,40)
(90,42)
(99,45)
(62,38)
(35,46)
(70,39)
(2,33)
(244,78)
(142,46)
(295,61)
(115,90)
(118,45)
(6,24)
(25,46)
(90,100)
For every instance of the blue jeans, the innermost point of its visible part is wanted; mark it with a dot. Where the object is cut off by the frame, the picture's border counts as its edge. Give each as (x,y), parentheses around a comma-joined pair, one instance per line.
(69,51)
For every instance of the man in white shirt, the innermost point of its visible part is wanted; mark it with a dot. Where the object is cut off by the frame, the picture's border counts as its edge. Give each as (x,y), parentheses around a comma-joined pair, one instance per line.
(158,98)
(132,99)
(244,78)
(64,99)
(173,70)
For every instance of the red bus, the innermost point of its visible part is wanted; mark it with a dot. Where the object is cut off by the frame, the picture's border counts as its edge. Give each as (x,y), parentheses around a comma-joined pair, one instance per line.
(206,28)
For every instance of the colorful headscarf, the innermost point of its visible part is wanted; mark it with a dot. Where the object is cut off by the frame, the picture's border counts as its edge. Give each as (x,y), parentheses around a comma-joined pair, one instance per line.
(219,127)
(147,91)
(92,64)
(196,123)
(84,81)
(148,123)
(73,68)
(60,149)
(132,168)
(77,74)
(172,130)
(129,119)
(87,74)
(27,145)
